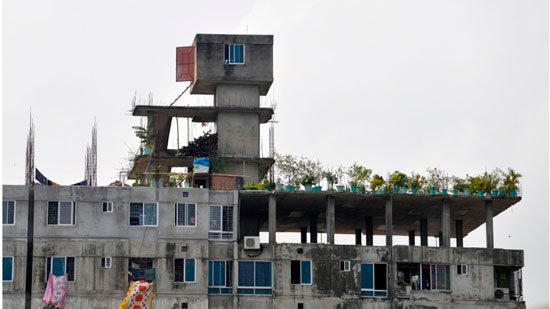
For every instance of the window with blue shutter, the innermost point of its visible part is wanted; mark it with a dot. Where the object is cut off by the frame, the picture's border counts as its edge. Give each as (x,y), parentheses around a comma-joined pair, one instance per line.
(374,280)
(234,54)
(7,268)
(220,277)
(255,277)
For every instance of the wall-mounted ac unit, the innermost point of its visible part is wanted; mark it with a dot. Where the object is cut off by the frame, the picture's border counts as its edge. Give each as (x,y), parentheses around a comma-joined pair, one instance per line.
(502,293)
(252,242)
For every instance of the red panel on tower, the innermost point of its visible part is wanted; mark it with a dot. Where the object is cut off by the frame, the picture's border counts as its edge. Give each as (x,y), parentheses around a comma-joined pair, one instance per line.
(185,64)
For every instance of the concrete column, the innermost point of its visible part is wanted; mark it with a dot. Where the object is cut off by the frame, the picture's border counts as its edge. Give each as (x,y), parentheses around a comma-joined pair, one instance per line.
(458,225)
(424,232)
(389,223)
(313,228)
(440,238)
(369,230)
(445,224)
(330,220)
(272,213)
(489,223)
(303,234)
(411,238)
(358,237)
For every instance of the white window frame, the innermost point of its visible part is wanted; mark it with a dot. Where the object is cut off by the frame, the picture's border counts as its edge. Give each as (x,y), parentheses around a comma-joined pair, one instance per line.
(12,267)
(225,269)
(374,290)
(108,203)
(302,279)
(221,231)
(346,263)
(186,205)
(73,213)
(104,260)
(66,272)
(232,51)
(463,269)
(254,276)
(142,214)
(431,283)
(14,211)
(184,271)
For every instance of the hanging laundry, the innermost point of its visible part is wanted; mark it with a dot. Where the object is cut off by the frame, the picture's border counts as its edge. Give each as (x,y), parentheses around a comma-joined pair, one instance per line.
(140,295)
(56,290)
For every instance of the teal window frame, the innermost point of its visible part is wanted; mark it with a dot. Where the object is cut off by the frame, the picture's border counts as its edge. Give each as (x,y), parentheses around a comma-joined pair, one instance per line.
(234,53)
(220,277)
(189,271)
(256,288)
(368,279)
(306,276)
(7,260)
(8,207)
(52,261)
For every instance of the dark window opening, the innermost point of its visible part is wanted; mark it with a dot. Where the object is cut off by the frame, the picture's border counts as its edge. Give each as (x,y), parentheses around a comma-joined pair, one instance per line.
(141,269)
(300,306)
(380,279)
(184,306)
(295,272)
(409,275)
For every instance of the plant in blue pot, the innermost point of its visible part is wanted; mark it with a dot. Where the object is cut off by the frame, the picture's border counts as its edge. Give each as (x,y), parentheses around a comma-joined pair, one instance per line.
(307,181)
(331,179)
(510,182)
(415,182)
(377,184)
(459,184)
(433,181)
(146,136)
(478,184)
(358,175)
(493,181)
(399,181)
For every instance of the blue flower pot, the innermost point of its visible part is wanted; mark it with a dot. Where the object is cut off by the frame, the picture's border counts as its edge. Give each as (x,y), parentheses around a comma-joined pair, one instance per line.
(479,192)
(363,191)
(444,191)
(340,188)
(455,192)
(307,187)
(266,189)
(147,150)
(404,190)
(353,189)
(467,191)
(432,190)
(379,192)
(414,190)
(396,190)
(512,193)
(494,193)
(502,193)
(289,187)
(279,186)
(317,188)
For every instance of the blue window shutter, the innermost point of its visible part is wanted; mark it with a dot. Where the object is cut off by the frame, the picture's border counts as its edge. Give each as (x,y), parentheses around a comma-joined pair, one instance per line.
(150,214)
(238,53)
(246,274)
(306,272)
(58,266)
(263,274)
(219,273)
(366,276)
(210,273)
(189,270)
(7,268)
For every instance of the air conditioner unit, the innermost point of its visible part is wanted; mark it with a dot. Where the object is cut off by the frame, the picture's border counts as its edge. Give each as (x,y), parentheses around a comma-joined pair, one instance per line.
(252,242)
(502,293)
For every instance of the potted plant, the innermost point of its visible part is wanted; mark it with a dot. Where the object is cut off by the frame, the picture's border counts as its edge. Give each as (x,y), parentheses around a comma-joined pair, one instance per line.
(339,174)
(399,182)
(146,137)
(478,184)
(510,182)
(362,188)
(331,178)
(414,182)
(433,181)
(493,181)
(286,165)
(377,183)
(459,185)
(266,184)
(358,176)
(307,181)
(279,184)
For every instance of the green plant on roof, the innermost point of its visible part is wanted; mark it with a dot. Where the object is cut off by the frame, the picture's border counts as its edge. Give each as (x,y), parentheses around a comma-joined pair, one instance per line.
(435,179)
(399,179)
(478,183)
(493,180)
(218,164)
(358,175)
(414,181)
(376,182)
(459,184)
(330,177)
(510,180)
(146,135)
(308,180)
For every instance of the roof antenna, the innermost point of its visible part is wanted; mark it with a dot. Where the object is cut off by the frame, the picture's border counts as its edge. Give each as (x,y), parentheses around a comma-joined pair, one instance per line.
(246,29)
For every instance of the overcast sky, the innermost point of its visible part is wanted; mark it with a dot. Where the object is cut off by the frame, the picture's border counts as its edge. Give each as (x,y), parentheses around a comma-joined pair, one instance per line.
(401,85)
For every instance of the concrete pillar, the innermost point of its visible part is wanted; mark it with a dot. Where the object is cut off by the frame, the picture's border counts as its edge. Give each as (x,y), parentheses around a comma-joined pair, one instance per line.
(445,224)
(389,223)
(313,228)
(411,238)
(369,230)
(424,232)
(330,220)
(458,225)
(272,213)
(303,234)
(440,238)
(489,223)
(358,237)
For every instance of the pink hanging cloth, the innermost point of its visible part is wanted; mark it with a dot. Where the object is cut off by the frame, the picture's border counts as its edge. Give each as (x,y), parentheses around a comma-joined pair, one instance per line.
(56,290)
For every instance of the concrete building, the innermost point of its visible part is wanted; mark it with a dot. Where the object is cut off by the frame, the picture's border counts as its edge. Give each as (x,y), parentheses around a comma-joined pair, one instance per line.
(201,247)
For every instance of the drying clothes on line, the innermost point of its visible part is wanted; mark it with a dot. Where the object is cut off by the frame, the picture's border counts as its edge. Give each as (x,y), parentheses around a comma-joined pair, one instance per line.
(139,296)
(56,290)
